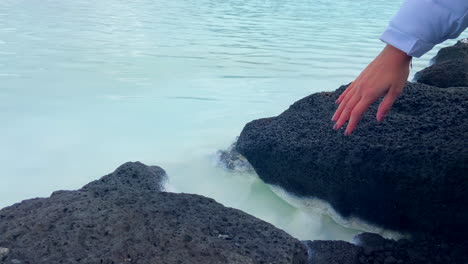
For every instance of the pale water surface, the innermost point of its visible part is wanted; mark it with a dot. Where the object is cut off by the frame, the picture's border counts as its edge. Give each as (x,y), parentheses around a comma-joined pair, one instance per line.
(87,85)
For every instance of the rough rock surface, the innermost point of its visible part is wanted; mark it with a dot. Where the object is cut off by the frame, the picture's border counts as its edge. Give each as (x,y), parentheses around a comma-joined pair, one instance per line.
(408,173)
(232,160)
(457,52)
(332,252)
(449,69)
(124,218)
(374,249)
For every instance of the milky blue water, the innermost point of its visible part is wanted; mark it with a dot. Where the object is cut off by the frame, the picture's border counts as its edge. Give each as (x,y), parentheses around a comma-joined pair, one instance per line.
(87,85)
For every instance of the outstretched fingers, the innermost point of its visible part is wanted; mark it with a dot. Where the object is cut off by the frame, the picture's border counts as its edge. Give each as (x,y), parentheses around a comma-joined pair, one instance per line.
(386,104)
(346,111)
(346,91)
(342,105)
(356,115)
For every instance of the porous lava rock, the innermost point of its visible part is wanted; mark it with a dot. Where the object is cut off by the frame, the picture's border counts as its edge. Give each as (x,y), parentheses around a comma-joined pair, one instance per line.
(125,218)
(332,252)
(449,68)
(409,173)
(374,249)
(457,52)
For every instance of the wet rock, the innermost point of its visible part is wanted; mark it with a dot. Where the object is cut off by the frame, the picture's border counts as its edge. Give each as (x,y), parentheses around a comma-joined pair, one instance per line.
(232,160)
(371,241)
(407,173)
(332,252)
(374,249)
(420,250)
(125,218)
(449,68)
(4,251)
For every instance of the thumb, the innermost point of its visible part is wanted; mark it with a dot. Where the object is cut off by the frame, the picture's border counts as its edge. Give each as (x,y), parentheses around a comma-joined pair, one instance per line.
(386,104)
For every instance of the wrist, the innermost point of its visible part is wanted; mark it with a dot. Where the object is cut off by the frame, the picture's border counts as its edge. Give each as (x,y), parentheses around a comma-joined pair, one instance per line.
(396,54)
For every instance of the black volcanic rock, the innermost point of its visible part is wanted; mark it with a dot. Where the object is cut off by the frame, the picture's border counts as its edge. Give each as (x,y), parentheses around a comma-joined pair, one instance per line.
(449,69)
(457,52)
(131,177)
(333,252)
(374,249)
(408,173)
(445,74)
(124,218)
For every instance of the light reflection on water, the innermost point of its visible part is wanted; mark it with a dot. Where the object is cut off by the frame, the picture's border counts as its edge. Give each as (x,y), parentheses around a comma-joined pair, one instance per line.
(87,85)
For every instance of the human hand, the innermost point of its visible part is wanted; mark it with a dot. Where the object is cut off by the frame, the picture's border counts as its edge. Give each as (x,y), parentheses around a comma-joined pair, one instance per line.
(385,76)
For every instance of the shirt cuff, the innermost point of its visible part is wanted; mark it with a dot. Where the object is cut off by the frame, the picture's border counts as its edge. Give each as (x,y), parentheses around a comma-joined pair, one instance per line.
(411,45)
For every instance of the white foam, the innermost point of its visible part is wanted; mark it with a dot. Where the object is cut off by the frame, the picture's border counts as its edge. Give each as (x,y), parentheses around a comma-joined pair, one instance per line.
(318,206)
(167,187)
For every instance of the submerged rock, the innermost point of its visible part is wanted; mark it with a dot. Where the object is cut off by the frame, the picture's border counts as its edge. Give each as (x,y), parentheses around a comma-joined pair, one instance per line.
(125,218)
(232,160)
(449,69)
(408,173)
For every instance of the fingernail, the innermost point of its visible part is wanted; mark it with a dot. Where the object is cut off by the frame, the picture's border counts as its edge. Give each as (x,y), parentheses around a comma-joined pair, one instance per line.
(336,102)
(347,133)
(335,126)
(381,118)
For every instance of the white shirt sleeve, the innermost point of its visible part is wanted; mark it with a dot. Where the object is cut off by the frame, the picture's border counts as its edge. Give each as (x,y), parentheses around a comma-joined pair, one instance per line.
(422,24)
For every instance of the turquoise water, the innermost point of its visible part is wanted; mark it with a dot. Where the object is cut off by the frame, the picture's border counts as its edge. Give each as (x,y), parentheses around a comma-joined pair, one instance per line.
(88,85)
